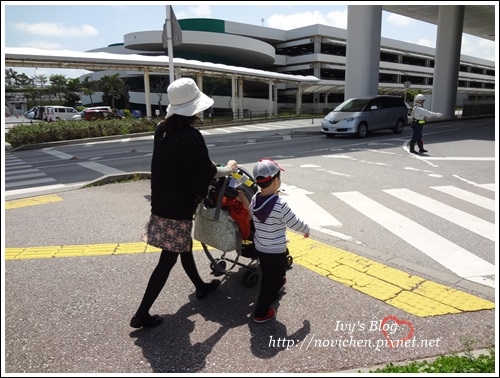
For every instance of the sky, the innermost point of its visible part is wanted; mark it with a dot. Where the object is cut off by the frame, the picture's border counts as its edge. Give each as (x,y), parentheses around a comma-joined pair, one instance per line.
(91,25)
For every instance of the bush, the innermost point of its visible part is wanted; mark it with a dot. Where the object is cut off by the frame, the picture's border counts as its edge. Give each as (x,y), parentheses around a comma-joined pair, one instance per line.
(446,364)
(43,132)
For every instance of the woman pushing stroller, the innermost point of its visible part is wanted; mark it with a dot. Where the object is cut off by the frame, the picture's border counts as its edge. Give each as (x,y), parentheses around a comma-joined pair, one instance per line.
(176,192)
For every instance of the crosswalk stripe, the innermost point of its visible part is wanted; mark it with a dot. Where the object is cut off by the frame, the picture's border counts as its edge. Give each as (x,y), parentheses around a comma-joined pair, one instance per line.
(451,256)
(476,199)
(28,182)
(306,209)
(460,218)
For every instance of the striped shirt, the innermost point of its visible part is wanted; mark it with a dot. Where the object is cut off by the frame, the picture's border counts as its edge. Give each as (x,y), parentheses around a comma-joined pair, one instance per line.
(272,216)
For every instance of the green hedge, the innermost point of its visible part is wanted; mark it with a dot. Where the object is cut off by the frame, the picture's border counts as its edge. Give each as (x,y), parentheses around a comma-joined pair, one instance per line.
(42,132)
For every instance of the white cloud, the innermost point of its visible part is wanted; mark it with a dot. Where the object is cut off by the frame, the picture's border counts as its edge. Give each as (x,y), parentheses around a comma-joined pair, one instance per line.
(57,30)
(200,11)
(44,45)
(480,48)
(297,20)
(426,42)
(197,11)
(397,20)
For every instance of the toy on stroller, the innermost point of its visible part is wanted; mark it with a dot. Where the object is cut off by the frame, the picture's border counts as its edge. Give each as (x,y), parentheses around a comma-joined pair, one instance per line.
(222,221)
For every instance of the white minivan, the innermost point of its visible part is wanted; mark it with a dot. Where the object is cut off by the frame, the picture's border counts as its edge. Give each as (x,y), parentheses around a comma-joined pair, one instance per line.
(58,112)
(360,116)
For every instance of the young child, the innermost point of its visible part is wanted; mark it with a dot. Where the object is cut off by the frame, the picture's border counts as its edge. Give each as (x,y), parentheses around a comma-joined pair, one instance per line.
(271,216)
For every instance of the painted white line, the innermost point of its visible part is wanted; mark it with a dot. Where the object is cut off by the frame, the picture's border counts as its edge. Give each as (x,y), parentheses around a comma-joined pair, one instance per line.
(20,171)
(476,199)
(306,209)
(18,176)
(226,131)
(28,182)
(491,187)
(104,169)
(33,190)
(451,256)
(336,234)
(458,217)
(483,281)
(15,163)
(423,157)
(58,154)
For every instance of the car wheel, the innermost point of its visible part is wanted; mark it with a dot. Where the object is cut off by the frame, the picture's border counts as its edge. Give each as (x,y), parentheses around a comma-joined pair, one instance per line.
(362,130)
(399,127)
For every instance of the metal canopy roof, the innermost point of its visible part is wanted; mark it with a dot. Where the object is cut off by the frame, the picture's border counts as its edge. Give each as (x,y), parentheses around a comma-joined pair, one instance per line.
(100,61)
(479,20)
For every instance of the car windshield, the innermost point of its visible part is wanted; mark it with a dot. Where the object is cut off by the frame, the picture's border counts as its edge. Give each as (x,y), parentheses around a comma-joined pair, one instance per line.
(352,105)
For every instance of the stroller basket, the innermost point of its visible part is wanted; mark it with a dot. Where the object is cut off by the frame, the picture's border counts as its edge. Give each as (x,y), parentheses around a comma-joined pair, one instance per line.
(215,227)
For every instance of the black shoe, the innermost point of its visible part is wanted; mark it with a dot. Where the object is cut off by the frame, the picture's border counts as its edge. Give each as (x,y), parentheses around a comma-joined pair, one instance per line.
(413,152)
(208,288)
(422,151)
(148,321)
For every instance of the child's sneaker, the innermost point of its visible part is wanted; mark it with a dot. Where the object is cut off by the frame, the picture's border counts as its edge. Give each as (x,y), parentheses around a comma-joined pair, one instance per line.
(271,314)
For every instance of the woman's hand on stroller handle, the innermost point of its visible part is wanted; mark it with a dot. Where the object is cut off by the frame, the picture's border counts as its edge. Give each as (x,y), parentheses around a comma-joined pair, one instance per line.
(232,165)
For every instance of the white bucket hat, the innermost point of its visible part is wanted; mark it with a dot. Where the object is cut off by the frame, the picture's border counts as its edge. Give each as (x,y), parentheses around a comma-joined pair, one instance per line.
(186,99)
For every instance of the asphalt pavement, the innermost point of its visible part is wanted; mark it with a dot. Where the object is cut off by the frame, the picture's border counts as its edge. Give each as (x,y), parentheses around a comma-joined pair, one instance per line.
(76,269)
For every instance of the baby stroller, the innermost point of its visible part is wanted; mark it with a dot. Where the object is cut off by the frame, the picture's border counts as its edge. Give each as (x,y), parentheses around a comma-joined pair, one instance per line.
(222,221)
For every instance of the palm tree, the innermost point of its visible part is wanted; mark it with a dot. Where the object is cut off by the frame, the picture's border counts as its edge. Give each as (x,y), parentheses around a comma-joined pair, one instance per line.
(88,88)
(59,85)
(159,87)
(114,87)
(10,76)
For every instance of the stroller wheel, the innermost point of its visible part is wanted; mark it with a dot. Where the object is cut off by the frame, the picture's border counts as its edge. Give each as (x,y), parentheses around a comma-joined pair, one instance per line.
(219,269)
(250,279)
(289,261)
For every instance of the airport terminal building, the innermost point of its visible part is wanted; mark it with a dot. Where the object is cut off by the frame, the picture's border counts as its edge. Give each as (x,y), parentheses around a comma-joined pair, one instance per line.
(316,50)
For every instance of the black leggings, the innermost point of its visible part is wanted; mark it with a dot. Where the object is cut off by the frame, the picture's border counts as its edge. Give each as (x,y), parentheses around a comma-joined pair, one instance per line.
(160,274)
(273,267)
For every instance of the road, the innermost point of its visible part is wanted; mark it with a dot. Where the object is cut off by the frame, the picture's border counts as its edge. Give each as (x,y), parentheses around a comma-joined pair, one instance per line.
(397,240)
(435,211)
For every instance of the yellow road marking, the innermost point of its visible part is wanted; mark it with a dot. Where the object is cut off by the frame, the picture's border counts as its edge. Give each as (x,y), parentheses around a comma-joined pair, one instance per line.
(413,294)
(32,201)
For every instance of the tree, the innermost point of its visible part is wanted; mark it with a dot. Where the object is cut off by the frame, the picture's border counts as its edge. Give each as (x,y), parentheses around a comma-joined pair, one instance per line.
(23,79)
(159,87)
(114,88)
(73,91)
(88,88)
(42,79)
(10,76)
(59,86)
(216,82)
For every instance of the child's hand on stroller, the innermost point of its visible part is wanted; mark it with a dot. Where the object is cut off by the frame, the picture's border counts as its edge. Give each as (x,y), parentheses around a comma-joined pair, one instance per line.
(232,165)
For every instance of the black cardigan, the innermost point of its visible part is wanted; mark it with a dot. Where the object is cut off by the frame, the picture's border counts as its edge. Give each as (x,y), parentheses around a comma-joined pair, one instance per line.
(181,171)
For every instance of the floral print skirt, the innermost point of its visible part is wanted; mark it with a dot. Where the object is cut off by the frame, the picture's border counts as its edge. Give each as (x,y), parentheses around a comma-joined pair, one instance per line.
(170,234)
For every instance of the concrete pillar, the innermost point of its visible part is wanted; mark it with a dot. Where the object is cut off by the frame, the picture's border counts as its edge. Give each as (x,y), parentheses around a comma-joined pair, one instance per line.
(364,26)
(275,102)
(234,95)
(298,100)
(270,97)
(147,93)
(240,97)
(447,60)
